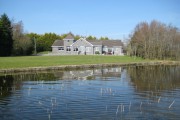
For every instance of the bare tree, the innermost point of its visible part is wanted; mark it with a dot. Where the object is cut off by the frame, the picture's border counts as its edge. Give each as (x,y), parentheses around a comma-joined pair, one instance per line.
(155,41)
(22,43)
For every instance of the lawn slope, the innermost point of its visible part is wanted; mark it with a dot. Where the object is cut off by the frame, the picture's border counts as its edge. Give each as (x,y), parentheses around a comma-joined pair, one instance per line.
(43,61)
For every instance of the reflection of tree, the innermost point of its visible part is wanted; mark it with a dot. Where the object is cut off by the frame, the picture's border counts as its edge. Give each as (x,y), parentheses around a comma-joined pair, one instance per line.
(155,78)
(34,77)
(14,82)
(6,83)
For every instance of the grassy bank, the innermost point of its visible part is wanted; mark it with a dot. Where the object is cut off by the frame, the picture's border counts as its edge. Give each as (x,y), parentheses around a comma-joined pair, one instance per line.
(39,61)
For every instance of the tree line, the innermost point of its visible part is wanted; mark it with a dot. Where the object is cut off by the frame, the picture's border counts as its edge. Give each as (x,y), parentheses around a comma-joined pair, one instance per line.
(155,40)
(15,42)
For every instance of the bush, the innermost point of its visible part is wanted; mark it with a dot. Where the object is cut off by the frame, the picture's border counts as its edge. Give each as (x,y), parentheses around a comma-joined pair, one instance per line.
(97,52)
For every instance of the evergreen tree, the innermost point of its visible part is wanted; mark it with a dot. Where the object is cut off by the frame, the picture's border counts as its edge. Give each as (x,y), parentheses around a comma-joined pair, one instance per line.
(6,40)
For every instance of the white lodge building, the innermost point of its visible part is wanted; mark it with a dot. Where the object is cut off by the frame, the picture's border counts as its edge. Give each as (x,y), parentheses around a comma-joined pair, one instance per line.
(69,46)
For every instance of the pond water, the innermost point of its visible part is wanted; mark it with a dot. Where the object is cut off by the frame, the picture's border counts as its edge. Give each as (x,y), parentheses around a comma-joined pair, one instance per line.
(141,92)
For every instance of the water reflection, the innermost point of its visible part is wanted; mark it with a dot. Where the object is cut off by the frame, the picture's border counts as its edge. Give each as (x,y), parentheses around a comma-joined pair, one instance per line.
(12,82)
(141,92)
(6,85)
(154,79)
(88,74)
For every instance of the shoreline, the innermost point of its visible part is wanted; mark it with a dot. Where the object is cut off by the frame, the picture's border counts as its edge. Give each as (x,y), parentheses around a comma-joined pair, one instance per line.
(86,66)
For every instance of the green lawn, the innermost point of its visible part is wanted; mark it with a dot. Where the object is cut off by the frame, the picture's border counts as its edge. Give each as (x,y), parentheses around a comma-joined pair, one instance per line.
(37,61)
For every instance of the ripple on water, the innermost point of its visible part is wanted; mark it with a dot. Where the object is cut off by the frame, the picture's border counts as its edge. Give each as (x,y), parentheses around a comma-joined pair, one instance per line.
(107,96)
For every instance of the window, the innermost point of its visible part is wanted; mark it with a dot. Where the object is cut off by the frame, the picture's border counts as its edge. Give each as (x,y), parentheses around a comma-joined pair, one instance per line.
(97,49)
(60,48)
(117,49)
(75,49)
(68,48)
(88,49)
(109,49)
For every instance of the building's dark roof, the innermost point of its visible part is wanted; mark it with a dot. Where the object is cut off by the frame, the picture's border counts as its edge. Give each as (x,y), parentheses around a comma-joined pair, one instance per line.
(58,43)
(69,36)
(95,42)
(111,43)
(108,43)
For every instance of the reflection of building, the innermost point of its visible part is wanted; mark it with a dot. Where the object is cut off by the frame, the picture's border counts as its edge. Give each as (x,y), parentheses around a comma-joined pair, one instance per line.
(89,74)
(111,72)
(76,74)
(82,74)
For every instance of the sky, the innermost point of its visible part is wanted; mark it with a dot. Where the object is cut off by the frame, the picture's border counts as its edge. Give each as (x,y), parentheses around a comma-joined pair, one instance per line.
(115,19)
